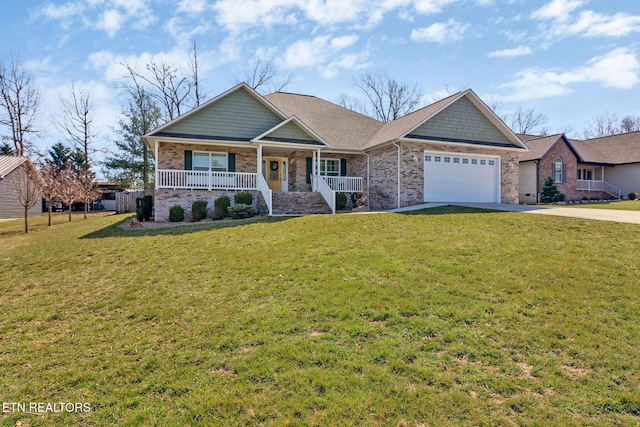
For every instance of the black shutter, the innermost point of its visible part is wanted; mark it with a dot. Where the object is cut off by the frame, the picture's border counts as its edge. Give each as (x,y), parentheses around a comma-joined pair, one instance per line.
(343,167)
(564,172)
(188,160)
(232,162)
(309,169)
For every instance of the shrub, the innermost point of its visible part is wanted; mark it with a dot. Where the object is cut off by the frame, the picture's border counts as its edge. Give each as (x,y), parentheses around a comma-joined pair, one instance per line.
(550,192)
(633,195)
(144,208)
(358,199)
(221,206)
(198,210)
(176,213)
(341,201)
(242,210)
(243,197)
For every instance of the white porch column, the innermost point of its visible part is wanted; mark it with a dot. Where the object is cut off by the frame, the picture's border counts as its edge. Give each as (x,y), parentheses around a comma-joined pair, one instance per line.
(259,159)
(157,165)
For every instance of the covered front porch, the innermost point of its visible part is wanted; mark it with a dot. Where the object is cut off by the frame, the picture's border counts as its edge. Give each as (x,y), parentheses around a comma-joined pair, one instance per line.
(266,169)
(592,178)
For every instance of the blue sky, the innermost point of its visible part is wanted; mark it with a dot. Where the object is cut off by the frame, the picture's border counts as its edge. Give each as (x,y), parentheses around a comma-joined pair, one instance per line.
(568,59)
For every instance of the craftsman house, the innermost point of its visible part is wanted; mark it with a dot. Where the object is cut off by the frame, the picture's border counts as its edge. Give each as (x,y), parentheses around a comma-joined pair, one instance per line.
(295,152)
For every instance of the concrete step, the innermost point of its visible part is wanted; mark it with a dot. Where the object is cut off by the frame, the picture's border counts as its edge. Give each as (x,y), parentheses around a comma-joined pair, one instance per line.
(299,203)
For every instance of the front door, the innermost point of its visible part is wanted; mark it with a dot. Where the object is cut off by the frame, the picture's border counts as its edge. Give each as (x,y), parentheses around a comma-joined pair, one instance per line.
(274,173)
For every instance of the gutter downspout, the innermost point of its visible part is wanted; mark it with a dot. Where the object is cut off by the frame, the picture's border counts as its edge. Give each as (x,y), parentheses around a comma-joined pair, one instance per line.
(537,162)
(397,145)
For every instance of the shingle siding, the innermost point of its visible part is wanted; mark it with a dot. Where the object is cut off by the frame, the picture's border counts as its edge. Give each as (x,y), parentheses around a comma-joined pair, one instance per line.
(290,131)
(463,121)
(237,115)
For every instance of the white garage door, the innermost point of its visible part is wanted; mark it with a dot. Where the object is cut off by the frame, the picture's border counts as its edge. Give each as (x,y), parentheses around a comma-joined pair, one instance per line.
(457,177)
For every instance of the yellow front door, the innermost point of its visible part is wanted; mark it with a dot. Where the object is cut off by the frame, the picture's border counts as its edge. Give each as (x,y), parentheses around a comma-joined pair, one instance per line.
(274,174)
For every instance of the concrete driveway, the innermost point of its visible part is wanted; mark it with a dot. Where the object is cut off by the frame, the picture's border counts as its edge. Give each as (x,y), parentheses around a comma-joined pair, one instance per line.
(631,217)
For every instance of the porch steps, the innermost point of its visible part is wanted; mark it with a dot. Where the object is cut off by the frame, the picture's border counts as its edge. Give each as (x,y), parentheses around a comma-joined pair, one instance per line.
(299,203)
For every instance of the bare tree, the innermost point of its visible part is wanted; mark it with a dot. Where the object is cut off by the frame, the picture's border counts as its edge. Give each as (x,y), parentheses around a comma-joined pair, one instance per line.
(630,124)
(87,190)
(526,121)
(49,185)
(78,122)
(26,183)
(263,73)
(68,180)
(602,125)
(19,102)
(388,99)
(168,86)
(195,75)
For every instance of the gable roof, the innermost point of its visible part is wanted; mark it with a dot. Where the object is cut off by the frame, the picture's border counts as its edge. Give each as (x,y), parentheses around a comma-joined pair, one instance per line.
(539,145)
(196,124)
(614,150)
(9,163)
(339,127)
(292,131)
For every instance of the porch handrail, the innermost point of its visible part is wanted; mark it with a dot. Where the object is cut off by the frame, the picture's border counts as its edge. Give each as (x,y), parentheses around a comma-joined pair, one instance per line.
(210,180)
(598,185)
(329,195)
(267,193)
(345,184)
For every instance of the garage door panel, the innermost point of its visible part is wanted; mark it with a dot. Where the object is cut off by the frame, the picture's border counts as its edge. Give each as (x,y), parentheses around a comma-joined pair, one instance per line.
(463,178)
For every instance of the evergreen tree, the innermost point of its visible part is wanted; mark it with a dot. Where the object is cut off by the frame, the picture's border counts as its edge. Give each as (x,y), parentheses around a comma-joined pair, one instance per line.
(7,150)
(132,164)
(550,192)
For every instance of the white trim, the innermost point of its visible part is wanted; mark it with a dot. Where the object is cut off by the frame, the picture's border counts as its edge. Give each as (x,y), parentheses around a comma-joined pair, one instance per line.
(461,144)
(157,144)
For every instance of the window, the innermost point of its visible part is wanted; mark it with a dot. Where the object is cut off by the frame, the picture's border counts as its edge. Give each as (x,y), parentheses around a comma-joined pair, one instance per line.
(447,159)
(210,161)
(465,161)
(427,158)
(456,160)
(483,162)
(586,174)
(474,161)
(436,159)
(492,162)
(330,167)
(558,170)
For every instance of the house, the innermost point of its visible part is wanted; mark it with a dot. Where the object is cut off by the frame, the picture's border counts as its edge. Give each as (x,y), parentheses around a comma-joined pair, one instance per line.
(14,188)
(611,163)
(295,152)
(602,168)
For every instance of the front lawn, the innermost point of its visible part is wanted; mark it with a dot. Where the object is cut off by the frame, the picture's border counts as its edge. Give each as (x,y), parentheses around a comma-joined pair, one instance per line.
(448,316)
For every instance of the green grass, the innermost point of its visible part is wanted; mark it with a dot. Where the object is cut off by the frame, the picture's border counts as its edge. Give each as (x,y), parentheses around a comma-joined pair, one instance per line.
(627,205)
(449,316)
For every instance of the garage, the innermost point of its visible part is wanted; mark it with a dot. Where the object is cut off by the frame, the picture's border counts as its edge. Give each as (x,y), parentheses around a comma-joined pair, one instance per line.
(460,177)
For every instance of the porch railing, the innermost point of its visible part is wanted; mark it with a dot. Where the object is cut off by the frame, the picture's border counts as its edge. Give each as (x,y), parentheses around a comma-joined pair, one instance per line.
(329,195)
(266,192)
(204,180)
(597,185)
(344,184)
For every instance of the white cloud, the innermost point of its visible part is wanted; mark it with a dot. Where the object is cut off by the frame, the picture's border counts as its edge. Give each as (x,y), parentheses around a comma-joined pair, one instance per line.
(617,69)
(561,21)
(440,32)
(324,54)
(192,7)
(107,16)
(431,6)
(508,53)
(557,9)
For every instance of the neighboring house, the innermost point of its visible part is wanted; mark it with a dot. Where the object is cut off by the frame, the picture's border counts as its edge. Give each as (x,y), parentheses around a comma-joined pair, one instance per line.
(602,168)
(294,152)
(612,160)
(13,187)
